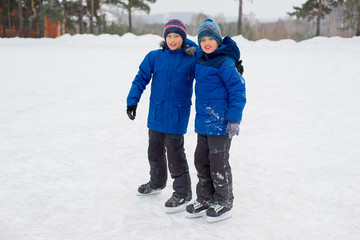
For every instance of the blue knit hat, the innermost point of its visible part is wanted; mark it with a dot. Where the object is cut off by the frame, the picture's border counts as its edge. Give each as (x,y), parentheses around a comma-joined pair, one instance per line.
(209,29)
(175,26)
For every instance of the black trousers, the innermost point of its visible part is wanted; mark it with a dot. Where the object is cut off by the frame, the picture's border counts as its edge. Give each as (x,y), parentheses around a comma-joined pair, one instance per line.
(172,146)
(214,171)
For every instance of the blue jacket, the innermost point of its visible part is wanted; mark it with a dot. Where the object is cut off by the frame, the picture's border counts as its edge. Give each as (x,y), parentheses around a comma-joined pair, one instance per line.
(219,89)
(172,74)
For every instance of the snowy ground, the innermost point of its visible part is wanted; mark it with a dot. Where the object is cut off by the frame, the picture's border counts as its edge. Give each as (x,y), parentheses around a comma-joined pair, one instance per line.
(71,160)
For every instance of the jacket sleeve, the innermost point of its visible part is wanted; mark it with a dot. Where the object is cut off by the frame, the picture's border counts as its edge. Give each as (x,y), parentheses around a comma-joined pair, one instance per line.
(235,85)
(141,80)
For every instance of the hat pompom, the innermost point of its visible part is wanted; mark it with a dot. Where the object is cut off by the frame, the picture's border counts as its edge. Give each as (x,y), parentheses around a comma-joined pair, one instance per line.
(209,29)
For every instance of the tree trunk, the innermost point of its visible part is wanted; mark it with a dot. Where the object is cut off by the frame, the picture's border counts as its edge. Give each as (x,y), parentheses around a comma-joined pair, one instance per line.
(81,25)
(358,27)
(9,19)
(4,29)
(92,16)
(42,24)
(30,27)
(42,29)
(64,18)
(62,27)
(31,17)
(130,22)
(318,18)
(101,17)
(239,25)
(21,19)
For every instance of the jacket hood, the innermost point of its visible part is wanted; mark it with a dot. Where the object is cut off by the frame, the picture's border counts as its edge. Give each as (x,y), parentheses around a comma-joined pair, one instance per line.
(189,47)
(228,48)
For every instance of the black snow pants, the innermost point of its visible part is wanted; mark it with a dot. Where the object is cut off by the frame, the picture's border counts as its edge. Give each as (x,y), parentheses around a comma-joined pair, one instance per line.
(214,171)
(173,146)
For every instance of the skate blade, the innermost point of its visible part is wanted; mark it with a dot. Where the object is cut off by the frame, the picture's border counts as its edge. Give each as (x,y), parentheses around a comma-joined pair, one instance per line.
(220,218)
(158,191)
(176,209)
(196,215)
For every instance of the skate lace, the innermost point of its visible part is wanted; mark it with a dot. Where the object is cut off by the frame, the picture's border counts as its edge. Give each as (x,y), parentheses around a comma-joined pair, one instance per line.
(176,199)
(217,207)
(197,205)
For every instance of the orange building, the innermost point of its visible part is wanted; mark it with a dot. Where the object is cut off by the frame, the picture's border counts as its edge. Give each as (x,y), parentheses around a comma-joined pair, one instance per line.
(52,30)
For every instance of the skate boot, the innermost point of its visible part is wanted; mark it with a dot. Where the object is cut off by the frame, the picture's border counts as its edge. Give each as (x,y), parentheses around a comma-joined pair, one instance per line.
(148,189)
(176,204)
(217,213)
(196,209)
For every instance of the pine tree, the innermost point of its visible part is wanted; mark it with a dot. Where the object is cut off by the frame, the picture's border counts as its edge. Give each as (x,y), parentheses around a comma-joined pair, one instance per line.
(30,13)
(131,5)
(351,15)
(7,19)
(6,7)
(71,15)
(93,7)
(53,11)
(314,9)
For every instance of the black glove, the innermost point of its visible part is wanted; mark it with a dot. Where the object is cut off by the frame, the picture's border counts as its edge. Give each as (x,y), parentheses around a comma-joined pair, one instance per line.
(239,67)
(131,111)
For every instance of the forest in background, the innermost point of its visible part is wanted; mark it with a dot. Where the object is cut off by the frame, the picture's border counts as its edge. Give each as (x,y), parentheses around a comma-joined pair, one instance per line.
(252,29)
(334,18)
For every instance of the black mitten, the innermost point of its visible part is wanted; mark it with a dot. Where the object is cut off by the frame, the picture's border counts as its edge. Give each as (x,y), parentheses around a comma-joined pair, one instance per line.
(131,111)
(239,67)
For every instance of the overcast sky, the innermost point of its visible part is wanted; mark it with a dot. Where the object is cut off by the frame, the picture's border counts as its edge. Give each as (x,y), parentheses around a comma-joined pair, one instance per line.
(263,9)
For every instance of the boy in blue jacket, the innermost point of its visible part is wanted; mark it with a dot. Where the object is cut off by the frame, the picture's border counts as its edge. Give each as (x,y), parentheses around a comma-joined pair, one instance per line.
(171,70)
(220,100)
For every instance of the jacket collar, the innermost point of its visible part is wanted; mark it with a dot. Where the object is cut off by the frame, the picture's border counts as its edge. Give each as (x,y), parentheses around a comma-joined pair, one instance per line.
(228,48)
(187,48)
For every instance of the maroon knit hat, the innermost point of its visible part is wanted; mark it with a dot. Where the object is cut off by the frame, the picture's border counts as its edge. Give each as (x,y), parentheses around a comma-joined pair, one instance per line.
(175,26)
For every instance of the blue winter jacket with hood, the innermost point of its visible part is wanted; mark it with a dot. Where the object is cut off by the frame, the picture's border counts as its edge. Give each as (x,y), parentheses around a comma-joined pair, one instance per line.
(219,89)
(172,74)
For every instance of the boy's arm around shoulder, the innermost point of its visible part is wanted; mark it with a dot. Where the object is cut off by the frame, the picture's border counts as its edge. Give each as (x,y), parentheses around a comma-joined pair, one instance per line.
(235,85)
(142,79)
(192,48)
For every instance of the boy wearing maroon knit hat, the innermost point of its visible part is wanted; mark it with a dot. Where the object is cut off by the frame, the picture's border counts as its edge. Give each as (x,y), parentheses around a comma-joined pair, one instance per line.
(171,71)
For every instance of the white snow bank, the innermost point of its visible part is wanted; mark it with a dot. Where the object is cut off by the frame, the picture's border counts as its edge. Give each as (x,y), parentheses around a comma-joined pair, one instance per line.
(323,43)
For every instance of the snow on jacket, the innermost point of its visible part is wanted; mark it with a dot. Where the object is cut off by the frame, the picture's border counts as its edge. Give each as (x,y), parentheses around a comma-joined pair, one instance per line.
(219,89)
(172,74)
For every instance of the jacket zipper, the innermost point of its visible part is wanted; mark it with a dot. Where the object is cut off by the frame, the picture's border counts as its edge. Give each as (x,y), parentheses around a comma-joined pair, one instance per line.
(154,76)
(187,83)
